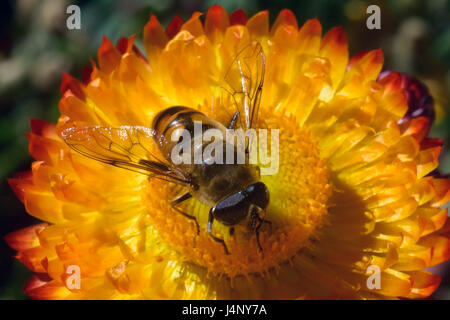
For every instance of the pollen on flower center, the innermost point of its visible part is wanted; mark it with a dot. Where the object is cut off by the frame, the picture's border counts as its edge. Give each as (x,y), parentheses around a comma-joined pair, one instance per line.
(298,204)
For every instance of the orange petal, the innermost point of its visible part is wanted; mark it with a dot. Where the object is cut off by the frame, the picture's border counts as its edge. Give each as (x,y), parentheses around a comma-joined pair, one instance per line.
(258,25)
(194,25)
(335,48)
(154,37)
(75,109)
(216,21)
(70,83)
(416,127)
(310,36)
(442,188)
(358,80)
(25,238)
(369,63)
(238,17)
(434,219)
(108,56)
(285,17)
(40,286)
(391,81)
(441,248)
(395,283)
(174,26)
(19,187)
(425,283)
(427,161)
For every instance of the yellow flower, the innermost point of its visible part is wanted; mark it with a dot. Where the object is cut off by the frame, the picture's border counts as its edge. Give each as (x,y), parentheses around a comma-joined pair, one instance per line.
(352,190)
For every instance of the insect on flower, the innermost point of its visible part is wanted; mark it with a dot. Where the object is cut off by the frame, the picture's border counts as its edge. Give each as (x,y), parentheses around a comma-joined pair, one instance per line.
(232,190)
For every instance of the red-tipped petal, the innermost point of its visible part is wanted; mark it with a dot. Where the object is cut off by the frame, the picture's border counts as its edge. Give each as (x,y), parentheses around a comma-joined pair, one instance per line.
(238,17)
(417,127)
(194,25)
(25,238)
(392,81)
(154,35)
(19,186)
(335,47)
(442,188)
(70,83)
(370,63)
(357,57)
(258,25)
(41,286)
(310,35)
(216,20)
(285,17)
(174,26)
(108,56)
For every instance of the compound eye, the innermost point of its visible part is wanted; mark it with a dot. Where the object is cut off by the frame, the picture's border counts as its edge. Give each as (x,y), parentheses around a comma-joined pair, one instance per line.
(232,209)
(258,194)
(233,202)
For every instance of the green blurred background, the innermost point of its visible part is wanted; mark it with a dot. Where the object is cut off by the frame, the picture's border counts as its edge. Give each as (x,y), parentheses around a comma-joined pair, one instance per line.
(36,48)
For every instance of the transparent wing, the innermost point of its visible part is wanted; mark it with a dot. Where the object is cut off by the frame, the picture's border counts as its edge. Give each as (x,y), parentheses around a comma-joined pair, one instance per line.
(127,147)
(244,82)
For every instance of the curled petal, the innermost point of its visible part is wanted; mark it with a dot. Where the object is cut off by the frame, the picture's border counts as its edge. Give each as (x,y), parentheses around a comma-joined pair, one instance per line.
(425,283)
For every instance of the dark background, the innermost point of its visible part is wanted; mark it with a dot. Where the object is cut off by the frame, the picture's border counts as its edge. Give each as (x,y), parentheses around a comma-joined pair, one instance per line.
(36,48)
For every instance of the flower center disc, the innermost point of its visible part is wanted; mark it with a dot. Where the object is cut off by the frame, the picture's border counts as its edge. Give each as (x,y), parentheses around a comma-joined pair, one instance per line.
(298,204)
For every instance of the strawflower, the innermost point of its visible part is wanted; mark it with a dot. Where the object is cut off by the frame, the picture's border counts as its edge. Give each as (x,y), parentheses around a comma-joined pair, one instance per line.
(352,191)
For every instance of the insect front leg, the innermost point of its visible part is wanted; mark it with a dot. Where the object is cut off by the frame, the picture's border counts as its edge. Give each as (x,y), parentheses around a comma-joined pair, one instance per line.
(255,223)
(179,200)
(221,241)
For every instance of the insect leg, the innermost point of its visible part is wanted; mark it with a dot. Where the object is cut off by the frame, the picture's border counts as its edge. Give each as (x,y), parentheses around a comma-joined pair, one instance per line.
(221,241)
(179,200)
(256,223)
(233,120)
(260,221)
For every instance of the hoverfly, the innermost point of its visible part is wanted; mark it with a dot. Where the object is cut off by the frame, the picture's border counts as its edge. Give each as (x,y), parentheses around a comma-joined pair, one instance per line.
(233,192)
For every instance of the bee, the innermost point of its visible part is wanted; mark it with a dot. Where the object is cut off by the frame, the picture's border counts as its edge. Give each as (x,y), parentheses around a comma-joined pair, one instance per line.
(234,192)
